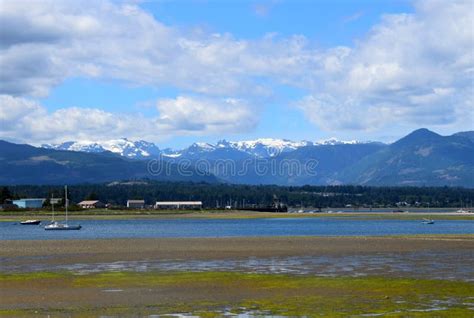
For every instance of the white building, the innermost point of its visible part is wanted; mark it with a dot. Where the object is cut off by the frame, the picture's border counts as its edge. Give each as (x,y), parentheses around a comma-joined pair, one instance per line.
(91,204)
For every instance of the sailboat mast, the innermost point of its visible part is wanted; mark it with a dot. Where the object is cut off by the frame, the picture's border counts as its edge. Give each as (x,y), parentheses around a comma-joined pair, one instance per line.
(52,205)
(67,202)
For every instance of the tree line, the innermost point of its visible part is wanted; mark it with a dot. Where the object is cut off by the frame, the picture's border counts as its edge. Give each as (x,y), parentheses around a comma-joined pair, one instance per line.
(220,195)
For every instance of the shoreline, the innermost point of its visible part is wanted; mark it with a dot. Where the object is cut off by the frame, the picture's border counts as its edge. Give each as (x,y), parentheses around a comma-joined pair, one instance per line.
(120,215)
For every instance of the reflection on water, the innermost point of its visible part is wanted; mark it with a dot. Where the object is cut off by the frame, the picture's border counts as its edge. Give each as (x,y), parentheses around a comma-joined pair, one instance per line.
(446,265)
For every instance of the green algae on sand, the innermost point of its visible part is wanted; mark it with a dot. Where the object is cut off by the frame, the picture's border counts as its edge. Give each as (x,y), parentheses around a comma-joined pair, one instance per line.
(209,293)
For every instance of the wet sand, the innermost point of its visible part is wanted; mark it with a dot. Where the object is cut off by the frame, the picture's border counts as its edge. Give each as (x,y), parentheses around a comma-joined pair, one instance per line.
(92,294)
(110,250)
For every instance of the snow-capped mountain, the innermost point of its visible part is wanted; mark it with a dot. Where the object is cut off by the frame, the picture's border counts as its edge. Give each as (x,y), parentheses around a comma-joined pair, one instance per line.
(259,148)
(421,158)
(334,141)
(82,146)
(264,147)
(131,149)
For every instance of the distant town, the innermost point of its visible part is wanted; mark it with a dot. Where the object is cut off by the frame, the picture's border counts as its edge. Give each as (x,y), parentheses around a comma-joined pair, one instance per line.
(150,195)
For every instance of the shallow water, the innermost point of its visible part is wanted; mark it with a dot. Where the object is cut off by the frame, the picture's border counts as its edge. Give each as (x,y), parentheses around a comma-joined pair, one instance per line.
(98,229)
(415,264)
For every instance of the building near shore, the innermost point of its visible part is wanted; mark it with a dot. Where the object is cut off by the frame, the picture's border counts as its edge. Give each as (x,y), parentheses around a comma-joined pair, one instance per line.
(178,205)
(33,203)
(55,201)
(135,204)
(91,204)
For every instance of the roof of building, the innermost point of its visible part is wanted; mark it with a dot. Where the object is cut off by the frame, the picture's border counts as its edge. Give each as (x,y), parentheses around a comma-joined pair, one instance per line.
(178,202)
(136,201)
(88,202)
(30,199)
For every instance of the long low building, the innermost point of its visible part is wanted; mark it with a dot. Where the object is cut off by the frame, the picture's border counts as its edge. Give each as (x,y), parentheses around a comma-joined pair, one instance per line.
(33,203)
(178,205)
(91,204)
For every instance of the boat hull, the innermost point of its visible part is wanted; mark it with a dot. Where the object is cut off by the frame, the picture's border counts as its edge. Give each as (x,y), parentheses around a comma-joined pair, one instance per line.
(35,222)
(64,228)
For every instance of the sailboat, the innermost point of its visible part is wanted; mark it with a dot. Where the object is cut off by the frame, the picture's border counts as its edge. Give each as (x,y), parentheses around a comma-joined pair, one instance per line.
(428,221)
(30,222)
(56,226)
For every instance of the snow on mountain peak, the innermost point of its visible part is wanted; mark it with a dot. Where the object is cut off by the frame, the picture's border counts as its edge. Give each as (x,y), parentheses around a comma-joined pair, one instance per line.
(82,146)
(122,146)
(334,141)
(140,149)
(205,145)
(267,147)
(269,142)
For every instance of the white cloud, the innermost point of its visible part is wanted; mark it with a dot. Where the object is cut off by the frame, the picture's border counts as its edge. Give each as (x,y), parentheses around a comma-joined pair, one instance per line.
(203,114)
(23,119)
(48,41)
(411,69)
(12,109)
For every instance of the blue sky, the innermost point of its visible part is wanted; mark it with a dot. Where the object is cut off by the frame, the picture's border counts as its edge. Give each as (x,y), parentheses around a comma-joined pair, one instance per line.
(176,72)
(329,23)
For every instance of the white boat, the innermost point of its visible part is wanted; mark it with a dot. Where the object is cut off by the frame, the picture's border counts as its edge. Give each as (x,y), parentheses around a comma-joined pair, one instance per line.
(428,221)
(61,226)
(56,226)
(30,222)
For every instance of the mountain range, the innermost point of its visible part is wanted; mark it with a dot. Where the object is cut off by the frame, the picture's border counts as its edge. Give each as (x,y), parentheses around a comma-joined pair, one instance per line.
(422,158)
(141,149)
(25,164)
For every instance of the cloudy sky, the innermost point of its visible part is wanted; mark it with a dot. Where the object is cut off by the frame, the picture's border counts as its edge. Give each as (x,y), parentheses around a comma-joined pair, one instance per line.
(175,72)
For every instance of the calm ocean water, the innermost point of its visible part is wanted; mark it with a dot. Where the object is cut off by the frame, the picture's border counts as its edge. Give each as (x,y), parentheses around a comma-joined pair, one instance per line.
(100,229)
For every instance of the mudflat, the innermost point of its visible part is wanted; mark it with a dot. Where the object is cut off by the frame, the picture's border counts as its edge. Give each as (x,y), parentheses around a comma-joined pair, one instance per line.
(213,292)
(70,251)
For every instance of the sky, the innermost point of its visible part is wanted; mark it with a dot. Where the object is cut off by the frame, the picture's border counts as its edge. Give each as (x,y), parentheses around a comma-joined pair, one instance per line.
(178,72)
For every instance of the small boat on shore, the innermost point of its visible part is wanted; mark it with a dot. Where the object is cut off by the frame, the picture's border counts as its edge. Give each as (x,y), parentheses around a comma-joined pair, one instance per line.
(428,221)
(30,222)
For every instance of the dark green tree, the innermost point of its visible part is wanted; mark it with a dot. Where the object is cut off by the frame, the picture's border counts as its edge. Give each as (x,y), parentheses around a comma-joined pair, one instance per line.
(92,196)
(5,194)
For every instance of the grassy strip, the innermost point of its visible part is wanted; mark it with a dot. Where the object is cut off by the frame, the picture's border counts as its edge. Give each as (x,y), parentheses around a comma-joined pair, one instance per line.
(173,214)
(272,294)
